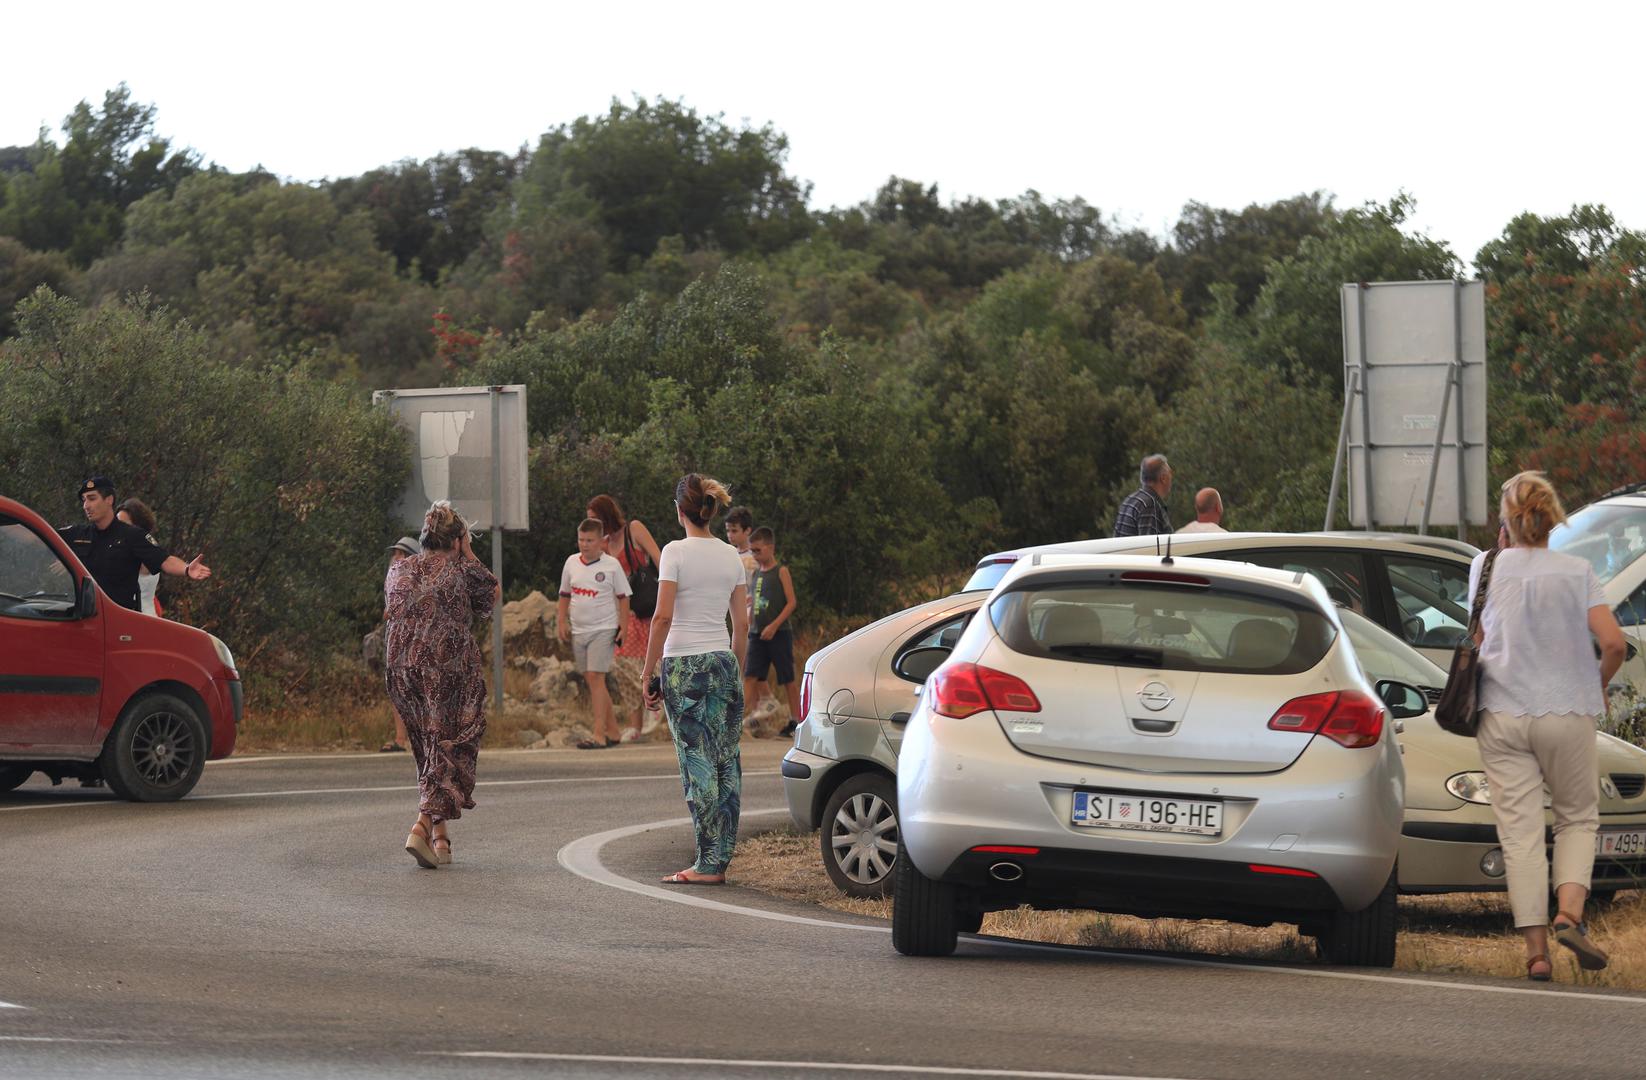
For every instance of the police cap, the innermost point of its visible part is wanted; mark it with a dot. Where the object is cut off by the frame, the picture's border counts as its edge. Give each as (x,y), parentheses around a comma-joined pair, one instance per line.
(98,483)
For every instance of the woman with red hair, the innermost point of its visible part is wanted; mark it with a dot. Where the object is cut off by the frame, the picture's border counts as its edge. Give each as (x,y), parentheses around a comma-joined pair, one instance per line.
(631,544)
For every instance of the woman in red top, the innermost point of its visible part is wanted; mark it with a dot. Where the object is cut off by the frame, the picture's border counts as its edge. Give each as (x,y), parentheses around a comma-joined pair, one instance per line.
(632,545)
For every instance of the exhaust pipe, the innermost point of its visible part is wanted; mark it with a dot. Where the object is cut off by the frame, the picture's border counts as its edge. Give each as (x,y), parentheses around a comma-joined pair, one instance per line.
(1006,871)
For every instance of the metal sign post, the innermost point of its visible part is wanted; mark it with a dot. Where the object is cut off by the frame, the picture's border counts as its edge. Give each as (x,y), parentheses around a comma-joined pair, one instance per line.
(497,547)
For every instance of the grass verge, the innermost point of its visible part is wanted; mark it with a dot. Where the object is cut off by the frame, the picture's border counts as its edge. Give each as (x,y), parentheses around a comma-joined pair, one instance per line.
(1460,933)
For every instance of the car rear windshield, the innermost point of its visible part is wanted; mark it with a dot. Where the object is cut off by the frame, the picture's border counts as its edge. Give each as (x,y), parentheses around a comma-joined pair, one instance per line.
(1169,627)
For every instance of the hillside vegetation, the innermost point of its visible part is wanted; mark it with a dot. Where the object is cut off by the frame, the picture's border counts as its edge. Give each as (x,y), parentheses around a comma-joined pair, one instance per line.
(895,386)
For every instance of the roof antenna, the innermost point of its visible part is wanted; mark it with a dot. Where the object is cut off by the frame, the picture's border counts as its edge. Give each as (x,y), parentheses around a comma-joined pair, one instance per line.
(1167,561)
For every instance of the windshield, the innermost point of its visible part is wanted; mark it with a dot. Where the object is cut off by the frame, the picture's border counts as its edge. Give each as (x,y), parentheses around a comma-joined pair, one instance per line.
(1384,656)
(1164,627)
(1609,535)
(988,573)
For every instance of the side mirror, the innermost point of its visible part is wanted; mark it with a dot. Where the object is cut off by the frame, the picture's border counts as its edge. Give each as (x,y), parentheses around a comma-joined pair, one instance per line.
(86,605)
(1404,700)
(918,664)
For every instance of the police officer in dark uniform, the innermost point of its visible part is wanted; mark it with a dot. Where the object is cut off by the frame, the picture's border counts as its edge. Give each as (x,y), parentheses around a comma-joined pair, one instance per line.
(112,550)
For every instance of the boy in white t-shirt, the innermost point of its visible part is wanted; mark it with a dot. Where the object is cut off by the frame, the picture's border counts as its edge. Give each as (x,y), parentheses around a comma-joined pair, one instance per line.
(593,609)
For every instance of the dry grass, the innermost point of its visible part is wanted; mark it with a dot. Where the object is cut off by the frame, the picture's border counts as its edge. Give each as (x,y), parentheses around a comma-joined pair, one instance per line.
(1462,933)
(351,712)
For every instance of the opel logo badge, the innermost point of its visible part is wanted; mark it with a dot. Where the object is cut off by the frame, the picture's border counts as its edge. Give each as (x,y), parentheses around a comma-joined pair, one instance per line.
(1155,696)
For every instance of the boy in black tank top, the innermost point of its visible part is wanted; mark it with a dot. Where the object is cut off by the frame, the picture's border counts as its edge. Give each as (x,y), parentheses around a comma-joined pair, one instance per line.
(771,643)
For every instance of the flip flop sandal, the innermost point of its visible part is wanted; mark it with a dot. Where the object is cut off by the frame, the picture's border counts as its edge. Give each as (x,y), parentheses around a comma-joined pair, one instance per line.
(682,879)
(391,748)
(1539,976)
(1575,936)
(590,744)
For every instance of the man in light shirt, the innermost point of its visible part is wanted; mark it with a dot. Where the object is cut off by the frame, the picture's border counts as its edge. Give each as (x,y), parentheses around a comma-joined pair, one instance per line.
(1208,509)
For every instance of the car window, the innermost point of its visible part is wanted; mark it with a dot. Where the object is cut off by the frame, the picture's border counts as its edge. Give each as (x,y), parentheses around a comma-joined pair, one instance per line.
(34,582)
(1431,600)
(943,635)
(1343,573)
(1632,612)
(1384,656)
(1610,535)
(1162,626)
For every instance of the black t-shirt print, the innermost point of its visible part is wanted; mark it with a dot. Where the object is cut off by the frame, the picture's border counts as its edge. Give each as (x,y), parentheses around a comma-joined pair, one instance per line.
(113,555)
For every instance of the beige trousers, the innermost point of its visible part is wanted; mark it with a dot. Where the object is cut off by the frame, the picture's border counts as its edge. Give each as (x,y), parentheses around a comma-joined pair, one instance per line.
(1522,753)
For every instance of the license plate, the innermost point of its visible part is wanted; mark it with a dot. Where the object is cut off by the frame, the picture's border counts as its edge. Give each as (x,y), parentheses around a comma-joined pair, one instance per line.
(1145,813)
(1620,843)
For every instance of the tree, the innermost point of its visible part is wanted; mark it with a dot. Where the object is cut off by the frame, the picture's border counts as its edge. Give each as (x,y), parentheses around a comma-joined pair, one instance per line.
(73,198)
(284,481)
(431,215)
(1296,321)
(656,169)
(1212,246)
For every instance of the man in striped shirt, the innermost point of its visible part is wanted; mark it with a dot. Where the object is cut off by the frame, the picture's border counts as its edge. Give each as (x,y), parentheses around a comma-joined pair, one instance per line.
(1143,513)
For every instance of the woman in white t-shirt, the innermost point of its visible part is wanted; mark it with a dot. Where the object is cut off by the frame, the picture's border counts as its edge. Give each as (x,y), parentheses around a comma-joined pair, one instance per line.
(700,672)
(1541,696)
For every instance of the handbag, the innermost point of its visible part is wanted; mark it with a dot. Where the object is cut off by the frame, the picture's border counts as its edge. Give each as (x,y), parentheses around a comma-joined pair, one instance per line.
(642,580)
(1458,710)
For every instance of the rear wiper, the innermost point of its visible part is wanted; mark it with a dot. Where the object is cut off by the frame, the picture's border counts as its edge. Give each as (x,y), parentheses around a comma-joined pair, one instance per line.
(1137,654)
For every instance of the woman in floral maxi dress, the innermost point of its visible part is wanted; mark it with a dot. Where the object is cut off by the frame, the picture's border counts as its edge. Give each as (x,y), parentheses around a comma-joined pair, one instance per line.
(435,675)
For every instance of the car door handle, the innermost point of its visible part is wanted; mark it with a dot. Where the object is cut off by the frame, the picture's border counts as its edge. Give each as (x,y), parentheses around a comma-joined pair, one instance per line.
(898,718)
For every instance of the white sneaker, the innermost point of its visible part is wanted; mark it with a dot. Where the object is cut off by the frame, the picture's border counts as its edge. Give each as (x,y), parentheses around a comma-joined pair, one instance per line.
(628,735)
(653,721)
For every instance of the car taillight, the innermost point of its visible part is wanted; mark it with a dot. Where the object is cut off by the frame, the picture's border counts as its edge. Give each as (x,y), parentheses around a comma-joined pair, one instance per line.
(960,690)
(805,696)
(1347,717)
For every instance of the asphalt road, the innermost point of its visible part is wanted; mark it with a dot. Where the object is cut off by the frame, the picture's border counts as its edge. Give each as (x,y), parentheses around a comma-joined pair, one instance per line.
(271,926)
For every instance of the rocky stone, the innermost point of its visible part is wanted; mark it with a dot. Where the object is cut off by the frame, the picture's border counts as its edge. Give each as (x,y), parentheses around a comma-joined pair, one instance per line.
(559,740)
(528,736)
(557,682)
(528,626)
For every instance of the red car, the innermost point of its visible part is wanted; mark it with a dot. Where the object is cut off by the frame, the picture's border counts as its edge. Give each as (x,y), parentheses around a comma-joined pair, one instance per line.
(90,689)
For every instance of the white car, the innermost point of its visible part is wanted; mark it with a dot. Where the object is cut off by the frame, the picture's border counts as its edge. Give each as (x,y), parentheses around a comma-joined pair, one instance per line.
(1187,738)
(1611,533)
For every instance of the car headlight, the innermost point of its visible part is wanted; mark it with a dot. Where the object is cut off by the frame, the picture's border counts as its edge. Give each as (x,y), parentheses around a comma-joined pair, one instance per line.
(223,652)
(1474,787)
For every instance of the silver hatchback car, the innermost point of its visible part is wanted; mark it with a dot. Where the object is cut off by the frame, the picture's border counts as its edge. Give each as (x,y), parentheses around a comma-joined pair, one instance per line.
(1188,738)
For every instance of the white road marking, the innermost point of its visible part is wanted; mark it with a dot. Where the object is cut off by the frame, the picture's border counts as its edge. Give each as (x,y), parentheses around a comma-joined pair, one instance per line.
(46,1039)
(367,755)
(369,790)
(9,1005)
(816,1066)
(582,857)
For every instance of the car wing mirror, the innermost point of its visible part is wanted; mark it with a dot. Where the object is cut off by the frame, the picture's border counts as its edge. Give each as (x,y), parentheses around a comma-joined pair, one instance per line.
(1404,700)
(918,664)
(86,604)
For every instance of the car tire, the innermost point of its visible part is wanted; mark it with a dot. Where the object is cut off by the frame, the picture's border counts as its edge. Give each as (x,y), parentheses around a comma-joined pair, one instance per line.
(859,820)
(1361,938)
(13,775)
(925,913)
(156,751)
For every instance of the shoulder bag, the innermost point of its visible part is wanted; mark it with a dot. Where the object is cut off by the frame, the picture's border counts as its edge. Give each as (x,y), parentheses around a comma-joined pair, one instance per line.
(642,579)
(1458,710)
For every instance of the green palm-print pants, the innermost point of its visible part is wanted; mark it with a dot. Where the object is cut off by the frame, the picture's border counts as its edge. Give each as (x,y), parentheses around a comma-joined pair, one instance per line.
(703,699)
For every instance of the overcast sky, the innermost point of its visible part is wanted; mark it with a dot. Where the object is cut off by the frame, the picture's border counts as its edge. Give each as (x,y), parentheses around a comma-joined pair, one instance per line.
(1479,110)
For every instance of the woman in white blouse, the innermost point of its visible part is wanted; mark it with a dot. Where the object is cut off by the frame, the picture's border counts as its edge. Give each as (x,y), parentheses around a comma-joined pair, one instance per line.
(700,672)
(136,512)
(1542,695)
